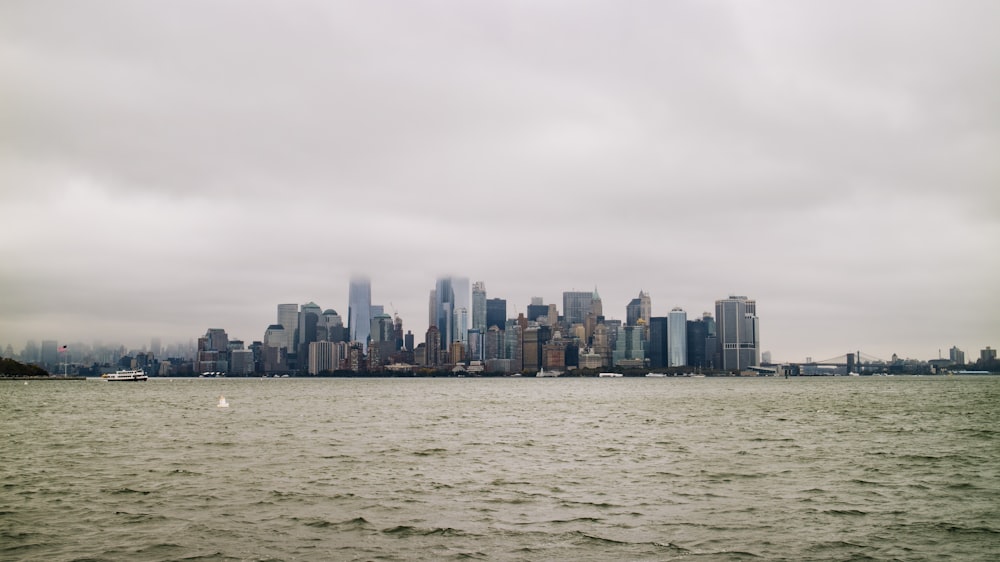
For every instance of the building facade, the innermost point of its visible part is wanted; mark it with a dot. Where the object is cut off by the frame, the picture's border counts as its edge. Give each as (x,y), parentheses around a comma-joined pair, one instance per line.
(359,313)
(479,306)
(657,350)
(738,332)
(677,338)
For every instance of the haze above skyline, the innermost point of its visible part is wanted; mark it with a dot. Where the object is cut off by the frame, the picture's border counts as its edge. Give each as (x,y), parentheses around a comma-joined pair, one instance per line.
(171,167)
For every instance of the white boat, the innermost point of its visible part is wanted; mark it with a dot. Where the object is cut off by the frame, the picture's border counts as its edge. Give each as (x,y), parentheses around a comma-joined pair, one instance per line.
(133,375)
(223,403)
(655,375)
(609,375)
(544,373)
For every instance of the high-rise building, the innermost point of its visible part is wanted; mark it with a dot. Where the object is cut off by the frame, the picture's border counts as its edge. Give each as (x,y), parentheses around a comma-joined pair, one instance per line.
(50,353)
(288,318)
(494,348)
(956,355)
(536,309)
(451,296)
(479,306)
(577,304)
(738,332)
(309,318)
(323,356)
(275,336)
(531,349)
(629,347)
(397,333)
(213,352)
(331,327)
(657,351)
(638,311)
(496,313)
(512,342)
(474,349)
(383,339)
(461,324)
(698,351)
(359,315)
(432,347)
(987,357)
(677,338)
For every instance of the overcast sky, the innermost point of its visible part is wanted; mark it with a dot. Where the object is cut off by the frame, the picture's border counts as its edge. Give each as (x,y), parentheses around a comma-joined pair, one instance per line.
(169,167)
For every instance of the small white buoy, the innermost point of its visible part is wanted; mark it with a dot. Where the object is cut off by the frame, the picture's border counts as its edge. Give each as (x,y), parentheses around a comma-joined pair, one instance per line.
(222,402)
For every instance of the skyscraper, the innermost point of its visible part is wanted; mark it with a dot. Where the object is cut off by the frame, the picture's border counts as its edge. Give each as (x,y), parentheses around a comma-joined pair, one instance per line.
(577,304)
(479,306)
(698,352)
(677,338)
(359,315)
(657,350)
(496,313)
(288,318)
(738,332)
(451,304)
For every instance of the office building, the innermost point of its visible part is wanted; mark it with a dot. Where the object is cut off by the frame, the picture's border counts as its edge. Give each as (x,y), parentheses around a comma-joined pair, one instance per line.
(479,306)
(309,318)
(698,351)
(432,346)
(657,350)
(577,305)
(956,355)
(324,356)
(639,308)
(288,318)
(677,338)
(496,313)
(738,333)
(359,314)
(451,296)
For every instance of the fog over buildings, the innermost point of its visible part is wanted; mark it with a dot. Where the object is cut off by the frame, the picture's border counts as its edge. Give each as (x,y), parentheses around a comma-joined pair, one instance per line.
(166,168)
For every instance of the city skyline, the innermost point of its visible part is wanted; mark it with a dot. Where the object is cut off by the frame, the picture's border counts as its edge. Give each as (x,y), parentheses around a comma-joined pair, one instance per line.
(166,169)
(676,316)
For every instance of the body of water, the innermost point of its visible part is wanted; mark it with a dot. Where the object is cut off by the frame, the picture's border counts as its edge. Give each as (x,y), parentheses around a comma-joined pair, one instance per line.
(870,468)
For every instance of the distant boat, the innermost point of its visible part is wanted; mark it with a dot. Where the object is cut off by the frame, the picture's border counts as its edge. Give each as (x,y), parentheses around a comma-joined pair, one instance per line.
(544,373)
(655,375)
(609,375)
(222,402)
(133,375)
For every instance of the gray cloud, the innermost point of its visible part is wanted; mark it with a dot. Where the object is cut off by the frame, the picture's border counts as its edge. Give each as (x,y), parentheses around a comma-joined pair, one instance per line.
(167,167)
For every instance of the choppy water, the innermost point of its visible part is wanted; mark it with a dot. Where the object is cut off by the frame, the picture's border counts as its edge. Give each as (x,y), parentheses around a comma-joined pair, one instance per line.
(503,469)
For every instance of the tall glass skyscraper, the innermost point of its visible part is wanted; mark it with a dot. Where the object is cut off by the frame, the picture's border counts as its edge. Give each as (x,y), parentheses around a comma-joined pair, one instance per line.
(288,318)
(479,306)
(359,310)
(657,350)
(496,313)
(577,305)
(739,333)
(677,338)
(451,301)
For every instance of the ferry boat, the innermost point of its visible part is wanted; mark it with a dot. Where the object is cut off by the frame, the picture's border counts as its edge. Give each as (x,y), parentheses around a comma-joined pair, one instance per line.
(609,375)
(134,375)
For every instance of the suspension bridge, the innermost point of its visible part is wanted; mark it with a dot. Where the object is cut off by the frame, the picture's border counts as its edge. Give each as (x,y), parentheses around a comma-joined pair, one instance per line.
(848,363)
